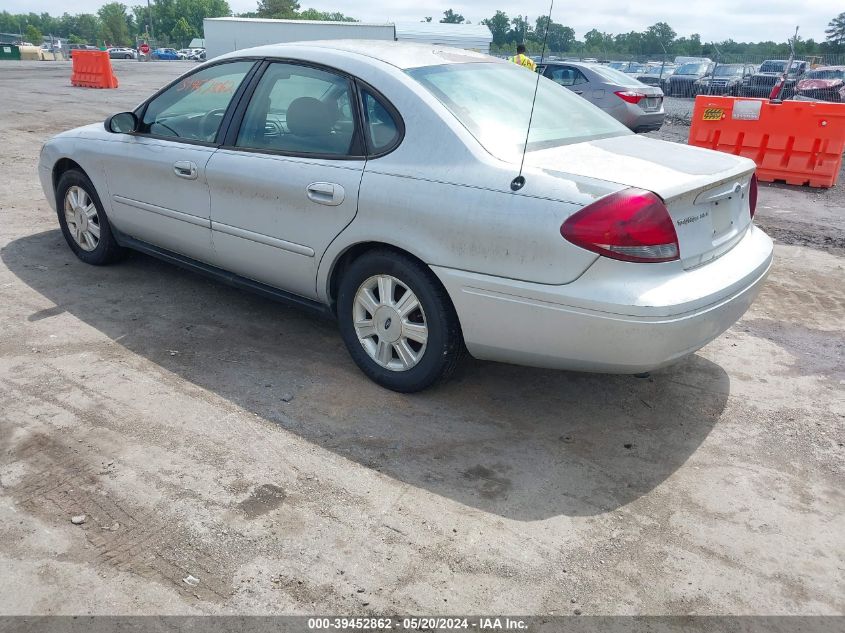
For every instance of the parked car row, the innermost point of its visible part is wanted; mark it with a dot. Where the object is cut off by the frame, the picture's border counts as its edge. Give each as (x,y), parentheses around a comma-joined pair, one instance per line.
(691,76)
(125,52)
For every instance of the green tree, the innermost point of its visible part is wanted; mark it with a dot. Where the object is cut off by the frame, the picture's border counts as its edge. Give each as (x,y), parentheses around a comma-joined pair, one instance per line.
(280,9)
(324,16)
(195,11)
(499,25)
(521,30)
(115,28)
(560,38)
(33,35)
(658,37)
(596,41)
(182,33)
(835,32)
(450,17)
(428,19)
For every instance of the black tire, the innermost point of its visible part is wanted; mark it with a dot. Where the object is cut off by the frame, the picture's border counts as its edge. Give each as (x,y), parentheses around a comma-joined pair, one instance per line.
(107,249)
(444,347)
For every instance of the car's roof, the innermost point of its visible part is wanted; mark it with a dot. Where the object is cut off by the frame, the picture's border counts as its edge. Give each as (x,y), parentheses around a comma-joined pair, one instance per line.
(829,68)
(403,55)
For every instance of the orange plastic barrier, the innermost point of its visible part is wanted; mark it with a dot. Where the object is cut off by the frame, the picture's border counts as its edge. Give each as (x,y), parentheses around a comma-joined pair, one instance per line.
(800,142)
(92,69)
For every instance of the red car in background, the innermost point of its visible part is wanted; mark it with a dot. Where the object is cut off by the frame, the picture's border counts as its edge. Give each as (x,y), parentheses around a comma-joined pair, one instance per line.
(826,83)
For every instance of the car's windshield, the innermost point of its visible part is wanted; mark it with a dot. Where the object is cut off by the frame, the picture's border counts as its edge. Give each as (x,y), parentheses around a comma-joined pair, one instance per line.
(691,69)
(493,101)
(730,70)
(614,76)
(831,73)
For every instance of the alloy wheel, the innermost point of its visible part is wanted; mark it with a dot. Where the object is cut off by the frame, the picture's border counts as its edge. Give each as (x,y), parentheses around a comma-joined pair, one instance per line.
(83,223)
(390,322)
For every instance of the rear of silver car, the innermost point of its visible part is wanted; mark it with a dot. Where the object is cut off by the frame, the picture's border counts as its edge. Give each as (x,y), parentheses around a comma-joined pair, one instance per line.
(634,104)
(641,109)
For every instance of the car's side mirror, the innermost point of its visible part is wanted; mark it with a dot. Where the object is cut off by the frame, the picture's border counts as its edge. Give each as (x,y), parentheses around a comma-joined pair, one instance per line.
(122,123)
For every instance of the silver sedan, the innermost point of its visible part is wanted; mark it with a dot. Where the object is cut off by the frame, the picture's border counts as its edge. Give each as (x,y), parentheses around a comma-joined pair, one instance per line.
(385,184)
(636,105)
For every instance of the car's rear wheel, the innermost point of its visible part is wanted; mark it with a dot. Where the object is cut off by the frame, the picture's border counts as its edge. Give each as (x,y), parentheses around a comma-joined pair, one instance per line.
(83,220)
(398,322)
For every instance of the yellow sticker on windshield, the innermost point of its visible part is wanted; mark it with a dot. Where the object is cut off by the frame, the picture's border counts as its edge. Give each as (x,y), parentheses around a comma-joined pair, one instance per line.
(713,114)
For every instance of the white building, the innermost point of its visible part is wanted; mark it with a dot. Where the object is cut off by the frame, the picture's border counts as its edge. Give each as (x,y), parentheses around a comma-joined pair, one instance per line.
(223,35)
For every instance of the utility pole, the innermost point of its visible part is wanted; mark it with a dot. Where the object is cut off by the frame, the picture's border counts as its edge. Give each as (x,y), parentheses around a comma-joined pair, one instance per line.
(150,12)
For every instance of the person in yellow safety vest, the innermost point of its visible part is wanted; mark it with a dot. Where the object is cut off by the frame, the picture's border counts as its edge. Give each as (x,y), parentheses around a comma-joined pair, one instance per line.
(522,59)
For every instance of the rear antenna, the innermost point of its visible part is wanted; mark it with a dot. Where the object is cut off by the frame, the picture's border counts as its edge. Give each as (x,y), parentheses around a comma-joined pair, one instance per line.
(519,182)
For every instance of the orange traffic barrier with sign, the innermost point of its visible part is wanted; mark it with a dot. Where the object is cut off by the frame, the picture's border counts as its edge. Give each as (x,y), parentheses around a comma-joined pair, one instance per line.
(92,69)
(799,142)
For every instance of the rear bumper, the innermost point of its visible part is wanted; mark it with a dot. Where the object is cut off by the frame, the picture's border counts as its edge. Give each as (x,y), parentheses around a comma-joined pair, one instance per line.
(617,317)
(638,120)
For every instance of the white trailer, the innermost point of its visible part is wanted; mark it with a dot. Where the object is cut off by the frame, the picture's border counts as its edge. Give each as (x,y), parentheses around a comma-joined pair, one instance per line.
(223,35)
(475,37)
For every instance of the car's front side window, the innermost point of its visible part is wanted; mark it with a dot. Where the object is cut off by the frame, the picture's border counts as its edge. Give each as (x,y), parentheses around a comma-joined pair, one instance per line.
(193,108)
(299,110)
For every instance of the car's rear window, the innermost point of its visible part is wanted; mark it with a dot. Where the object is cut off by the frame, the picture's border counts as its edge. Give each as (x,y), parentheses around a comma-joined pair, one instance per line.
(615,76)
(493,101)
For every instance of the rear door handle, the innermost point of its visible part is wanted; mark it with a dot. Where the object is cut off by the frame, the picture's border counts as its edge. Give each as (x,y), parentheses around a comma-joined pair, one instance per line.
(327,193)
(578,92)
(185,169)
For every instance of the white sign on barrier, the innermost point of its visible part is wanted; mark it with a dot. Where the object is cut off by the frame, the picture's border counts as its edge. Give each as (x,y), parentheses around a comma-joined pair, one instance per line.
(746,110)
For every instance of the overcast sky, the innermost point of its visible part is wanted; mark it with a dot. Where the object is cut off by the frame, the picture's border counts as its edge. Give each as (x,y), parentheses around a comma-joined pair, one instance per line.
(741,20)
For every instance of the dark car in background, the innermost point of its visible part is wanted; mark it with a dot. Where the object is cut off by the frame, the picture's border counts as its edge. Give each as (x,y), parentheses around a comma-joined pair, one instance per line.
(826,83)
(726,79)
(682,81)
(657,75)
(632,103)
(762,82)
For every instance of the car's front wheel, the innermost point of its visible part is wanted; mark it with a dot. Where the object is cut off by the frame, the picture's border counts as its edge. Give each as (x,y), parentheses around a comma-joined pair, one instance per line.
(398,322)
(83,220)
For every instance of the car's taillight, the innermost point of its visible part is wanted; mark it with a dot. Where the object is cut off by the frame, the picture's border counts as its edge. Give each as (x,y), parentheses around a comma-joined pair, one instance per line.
(632,225)
(752,195)
(631,96)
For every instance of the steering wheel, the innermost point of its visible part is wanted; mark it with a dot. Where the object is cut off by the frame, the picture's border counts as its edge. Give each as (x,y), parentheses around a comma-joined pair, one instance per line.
(208,125)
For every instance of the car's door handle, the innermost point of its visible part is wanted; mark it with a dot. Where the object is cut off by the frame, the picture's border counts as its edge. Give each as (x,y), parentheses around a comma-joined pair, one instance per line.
(185,169)
(578,92)
(326,193)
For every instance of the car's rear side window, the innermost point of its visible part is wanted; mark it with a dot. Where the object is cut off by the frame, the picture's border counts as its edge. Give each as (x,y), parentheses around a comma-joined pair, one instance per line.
(300,110)
(383,130)
(193,108)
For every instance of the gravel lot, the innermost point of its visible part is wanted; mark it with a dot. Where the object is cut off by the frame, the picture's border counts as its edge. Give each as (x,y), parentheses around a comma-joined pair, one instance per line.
(210,433)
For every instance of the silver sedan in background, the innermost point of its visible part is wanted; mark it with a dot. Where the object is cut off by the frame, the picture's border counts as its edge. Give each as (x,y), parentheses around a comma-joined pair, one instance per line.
(634,104)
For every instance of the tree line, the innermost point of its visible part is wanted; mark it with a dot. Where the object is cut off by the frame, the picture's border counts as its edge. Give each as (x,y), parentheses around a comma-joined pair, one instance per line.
(657,40)
(173,22)
(178,21)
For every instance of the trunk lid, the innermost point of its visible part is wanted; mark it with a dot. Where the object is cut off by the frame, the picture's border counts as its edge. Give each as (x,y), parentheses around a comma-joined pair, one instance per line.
(706,192)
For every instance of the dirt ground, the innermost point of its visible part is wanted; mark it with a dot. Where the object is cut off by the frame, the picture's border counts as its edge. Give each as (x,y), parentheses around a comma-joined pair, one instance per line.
(230,458)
